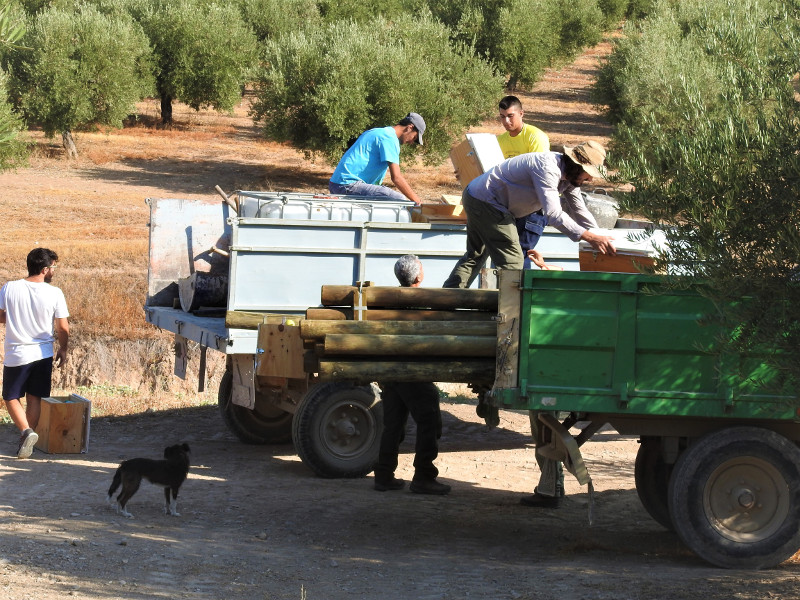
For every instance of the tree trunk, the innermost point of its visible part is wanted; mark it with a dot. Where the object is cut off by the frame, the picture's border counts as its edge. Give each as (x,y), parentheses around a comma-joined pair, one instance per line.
(69,144)
(166,110)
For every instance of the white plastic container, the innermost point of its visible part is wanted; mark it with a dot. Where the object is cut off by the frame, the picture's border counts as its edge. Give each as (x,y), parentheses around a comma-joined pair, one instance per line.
(308,207)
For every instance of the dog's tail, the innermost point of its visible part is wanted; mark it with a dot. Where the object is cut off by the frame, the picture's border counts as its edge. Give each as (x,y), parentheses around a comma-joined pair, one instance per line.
(115,483)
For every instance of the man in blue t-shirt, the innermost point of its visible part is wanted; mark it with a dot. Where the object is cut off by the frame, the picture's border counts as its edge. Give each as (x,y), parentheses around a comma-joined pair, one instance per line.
(362,168)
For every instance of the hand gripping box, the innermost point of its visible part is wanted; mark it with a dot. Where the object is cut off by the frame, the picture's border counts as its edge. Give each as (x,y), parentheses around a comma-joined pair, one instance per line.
(64,425)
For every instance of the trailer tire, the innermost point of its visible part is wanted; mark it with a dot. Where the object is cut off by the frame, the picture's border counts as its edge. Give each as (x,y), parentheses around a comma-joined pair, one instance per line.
(337,429)
(266,424)
(652,476)
(734,498)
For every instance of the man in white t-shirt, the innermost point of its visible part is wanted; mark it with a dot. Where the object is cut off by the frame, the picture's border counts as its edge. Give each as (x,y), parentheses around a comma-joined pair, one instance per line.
(32,311)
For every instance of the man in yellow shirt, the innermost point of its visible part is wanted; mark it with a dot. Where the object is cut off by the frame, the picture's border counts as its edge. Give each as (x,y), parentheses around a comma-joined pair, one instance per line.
(522,138)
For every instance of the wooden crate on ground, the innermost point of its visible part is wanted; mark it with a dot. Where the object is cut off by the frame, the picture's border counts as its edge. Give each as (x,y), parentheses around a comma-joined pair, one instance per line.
(64,425)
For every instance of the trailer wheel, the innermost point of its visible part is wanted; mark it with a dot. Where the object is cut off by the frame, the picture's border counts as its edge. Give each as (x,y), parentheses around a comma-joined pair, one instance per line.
(734,498)
(652,475)
(265,424)
(337,429)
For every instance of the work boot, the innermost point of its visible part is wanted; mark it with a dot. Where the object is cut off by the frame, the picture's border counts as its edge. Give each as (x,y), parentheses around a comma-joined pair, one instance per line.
(429,486)
(538,500)
(389,485)
(27,441)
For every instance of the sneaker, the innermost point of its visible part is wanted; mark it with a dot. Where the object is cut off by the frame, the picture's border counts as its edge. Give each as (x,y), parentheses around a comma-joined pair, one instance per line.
(390,485)
(27,441)
(429,486)
(538,500)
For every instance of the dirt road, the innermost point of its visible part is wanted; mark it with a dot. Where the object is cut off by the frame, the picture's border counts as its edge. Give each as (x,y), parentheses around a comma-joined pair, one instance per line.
(257,524)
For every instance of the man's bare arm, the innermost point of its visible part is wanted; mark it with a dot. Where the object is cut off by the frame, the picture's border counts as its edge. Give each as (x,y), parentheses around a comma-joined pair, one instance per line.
(401,184)
(62,333)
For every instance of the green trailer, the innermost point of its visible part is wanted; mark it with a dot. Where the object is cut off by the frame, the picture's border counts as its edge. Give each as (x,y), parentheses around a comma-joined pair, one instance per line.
(718,460)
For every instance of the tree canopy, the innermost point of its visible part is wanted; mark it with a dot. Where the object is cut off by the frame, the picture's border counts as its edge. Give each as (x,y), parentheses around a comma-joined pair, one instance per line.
(80,68)
(321,88)
(708,131)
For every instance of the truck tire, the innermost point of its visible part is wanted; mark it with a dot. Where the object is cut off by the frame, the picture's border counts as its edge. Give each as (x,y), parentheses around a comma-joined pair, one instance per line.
(265,424)
(734,498)
(337,429)
(652,475)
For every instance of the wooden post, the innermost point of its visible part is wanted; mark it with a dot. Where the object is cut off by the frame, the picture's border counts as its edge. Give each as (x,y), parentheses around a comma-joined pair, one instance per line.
(240,319)
(408,297)
(318,314)
(318,329)
(409,345)
(463,371)
(508,329)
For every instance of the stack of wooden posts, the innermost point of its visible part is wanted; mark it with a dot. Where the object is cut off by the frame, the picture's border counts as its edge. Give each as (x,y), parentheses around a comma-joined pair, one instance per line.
(374,333)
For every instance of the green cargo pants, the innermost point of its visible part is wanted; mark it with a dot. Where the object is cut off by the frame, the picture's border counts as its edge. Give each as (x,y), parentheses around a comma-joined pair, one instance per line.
(490,233)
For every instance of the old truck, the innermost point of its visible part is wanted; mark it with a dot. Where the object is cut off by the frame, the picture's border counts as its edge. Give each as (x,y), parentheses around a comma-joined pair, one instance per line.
(264,255)
(718,460)
(217,269)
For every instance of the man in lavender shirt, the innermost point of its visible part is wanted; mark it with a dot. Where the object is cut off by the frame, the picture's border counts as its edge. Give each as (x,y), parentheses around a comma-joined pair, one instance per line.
(544,182)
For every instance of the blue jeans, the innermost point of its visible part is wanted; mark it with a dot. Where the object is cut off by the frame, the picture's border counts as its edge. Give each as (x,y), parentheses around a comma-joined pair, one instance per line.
(530,230)
(359,188)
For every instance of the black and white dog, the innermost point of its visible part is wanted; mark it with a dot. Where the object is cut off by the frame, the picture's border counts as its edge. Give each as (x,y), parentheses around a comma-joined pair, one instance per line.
(169,473)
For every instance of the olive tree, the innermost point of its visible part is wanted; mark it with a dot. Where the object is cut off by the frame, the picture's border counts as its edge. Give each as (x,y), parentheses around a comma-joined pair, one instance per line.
(522,37)
(271,18)
(13,149)
(203,51)
(79,69)
(708,133)
(322,87)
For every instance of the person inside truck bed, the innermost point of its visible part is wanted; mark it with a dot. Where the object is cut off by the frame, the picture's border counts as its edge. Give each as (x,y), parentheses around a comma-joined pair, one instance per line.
(535,182)
(421,401)
(522,138)
(361,170)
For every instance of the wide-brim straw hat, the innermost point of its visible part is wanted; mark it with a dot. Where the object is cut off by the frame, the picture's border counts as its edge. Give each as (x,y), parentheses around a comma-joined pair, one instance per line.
(589,155)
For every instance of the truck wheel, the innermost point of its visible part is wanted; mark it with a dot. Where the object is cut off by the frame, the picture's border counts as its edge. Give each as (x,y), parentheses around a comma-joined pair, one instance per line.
(337,429)
(652,474)
(265,424)
(734,498)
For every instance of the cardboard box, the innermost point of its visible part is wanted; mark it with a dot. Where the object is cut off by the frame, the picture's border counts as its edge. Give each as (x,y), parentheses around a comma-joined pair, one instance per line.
(449,210)
(465,163)
(64,425)
(475,155)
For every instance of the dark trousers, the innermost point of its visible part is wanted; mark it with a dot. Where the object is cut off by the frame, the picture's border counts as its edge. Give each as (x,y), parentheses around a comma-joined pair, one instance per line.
(530,230)
(490,234)
(421,401)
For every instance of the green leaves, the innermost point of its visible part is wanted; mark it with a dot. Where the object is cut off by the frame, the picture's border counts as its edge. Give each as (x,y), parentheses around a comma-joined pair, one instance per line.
(81,68)
(204,52)
(321,87)
(708,133)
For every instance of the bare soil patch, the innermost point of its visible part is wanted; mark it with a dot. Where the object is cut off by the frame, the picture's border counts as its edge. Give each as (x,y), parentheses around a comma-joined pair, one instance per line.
(255,523)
